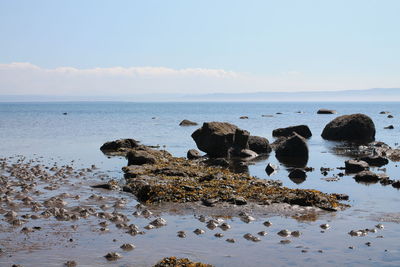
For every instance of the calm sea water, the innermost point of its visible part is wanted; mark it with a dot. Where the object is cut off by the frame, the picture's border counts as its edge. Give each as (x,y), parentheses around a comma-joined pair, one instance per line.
(41,129)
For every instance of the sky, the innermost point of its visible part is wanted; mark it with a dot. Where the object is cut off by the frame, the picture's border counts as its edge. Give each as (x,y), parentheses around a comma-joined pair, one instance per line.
(96,47)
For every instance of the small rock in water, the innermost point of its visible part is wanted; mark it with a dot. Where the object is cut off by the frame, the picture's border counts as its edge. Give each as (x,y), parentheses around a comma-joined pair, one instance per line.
(70,264)
(159,222)
(368,244)
(285,241)
(247,218)
(225,226)
(380,226)
(262,233)
(325,226)
(267,223)
(181,234)
(270,169)
(219,235)
(284,233)
(230,240)
(127,247)
(199,231)
(212,224)
(251,237)
(296,233)
(112,256)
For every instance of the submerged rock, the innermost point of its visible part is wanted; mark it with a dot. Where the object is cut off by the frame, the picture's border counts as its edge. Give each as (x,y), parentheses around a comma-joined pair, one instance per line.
(292,151)
(302,130)
(297,176)
(390,127)
(376,161)
(119,146)
(367,176)
(355,127)
(188,123)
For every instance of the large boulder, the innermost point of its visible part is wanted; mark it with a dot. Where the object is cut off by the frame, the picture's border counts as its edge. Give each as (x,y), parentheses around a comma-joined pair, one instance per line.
(292,151)
(259,144)
(302,130)
(355,127)
(219,139)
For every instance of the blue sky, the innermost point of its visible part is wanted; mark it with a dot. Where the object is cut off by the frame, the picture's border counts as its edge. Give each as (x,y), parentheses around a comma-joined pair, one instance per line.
(267,45)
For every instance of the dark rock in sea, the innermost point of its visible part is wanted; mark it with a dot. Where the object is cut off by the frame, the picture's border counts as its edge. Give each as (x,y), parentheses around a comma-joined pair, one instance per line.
(384,112)
(243,117)
(302,130)
(396,184)
(259,144)
(376,161)
(326,111)
(355,166)
(193,154)
(270,169)
(292,151)
(366,177)
(188,123)
(355,127)
(65,113)
(390,127)
(390,116)
(119,145)
(140,157)
(219,139)
(341,196)
(297,176)
(181,262)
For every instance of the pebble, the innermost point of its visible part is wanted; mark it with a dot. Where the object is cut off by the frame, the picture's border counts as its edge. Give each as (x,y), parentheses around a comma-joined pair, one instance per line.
(231,240)
(380,226)
(262,233)
(127,247)
(267,223)
(70,264)
(296,233)
(284,233)
(159,222)
(325,226)
(181,234)
(251,237)
(225,226)
(199,231)
(112,256)
(285,241)
(219,235)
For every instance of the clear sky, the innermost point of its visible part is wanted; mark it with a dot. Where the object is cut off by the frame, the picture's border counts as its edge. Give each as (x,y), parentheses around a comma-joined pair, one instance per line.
(105,47)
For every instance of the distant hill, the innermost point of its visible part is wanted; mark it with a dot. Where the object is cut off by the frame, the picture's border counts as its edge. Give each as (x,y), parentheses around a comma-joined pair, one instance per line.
(371,95)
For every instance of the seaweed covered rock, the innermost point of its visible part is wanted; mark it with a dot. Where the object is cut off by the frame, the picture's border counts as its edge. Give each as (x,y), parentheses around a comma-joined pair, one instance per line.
(302,130)
(355,127)
(119,146)
(219,139)
(180,180)
(140,157)
(180,262)
(259,144)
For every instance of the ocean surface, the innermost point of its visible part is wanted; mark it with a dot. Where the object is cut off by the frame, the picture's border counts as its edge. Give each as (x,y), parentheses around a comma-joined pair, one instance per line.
(42,130)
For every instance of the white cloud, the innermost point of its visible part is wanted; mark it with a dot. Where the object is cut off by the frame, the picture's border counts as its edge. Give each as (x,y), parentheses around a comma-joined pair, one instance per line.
(27,78)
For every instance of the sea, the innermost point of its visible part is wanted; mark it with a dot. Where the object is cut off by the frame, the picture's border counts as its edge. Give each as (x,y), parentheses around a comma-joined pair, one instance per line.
(74,131)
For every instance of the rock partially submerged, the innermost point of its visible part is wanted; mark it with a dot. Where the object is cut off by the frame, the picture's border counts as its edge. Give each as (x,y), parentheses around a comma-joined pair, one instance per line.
(367,177)
(180,262)
(188,123)
(180,180)
(355,166)
(302,130)
(120,146)
(292,151)
(326,111)
(353,128)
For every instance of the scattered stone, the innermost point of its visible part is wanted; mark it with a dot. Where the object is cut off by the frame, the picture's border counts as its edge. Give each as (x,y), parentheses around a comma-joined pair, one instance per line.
(355,127)
(219,235)
(188,123)
(127,247)
(71,264)
(285,241)
(380,226)
(296,233)
(284,233)
(230,240)
(396,184)
(199,231)
(298,176)
(159,222)
(326,111)
(121,145)
(302,130)
(140,157)
(262,233)
(325,226)
(390,116)
(243,117)
(390,127)
(251,237)
(112,256)
(267,223)
(376,161)
(181,234)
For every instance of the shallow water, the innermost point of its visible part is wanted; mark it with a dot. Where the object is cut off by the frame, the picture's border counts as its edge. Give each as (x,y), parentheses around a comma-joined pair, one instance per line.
(41,130)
